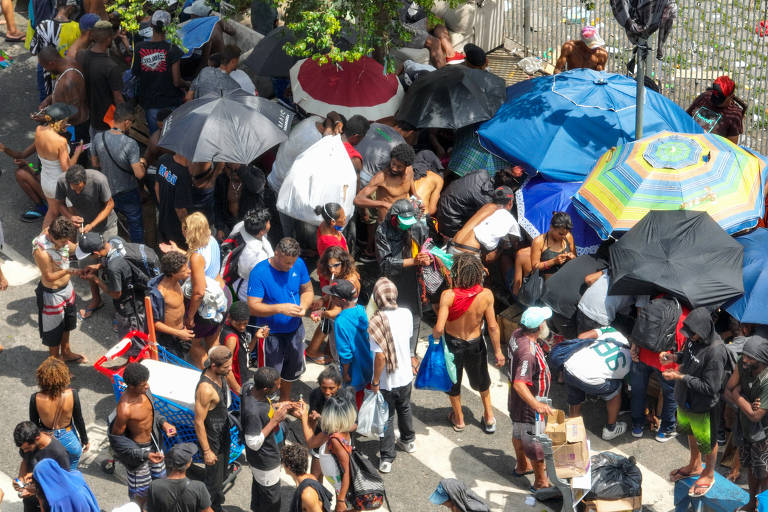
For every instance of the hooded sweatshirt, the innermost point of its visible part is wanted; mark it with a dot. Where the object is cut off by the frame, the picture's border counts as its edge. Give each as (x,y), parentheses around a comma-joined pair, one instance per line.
(464,498)
(65,491)
(702,363)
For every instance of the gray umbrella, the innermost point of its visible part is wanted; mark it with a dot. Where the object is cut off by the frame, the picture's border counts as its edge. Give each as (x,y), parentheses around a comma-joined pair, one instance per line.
(235,127)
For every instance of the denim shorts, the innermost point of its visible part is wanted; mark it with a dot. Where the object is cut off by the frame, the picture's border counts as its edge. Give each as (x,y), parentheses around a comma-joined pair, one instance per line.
(578,390)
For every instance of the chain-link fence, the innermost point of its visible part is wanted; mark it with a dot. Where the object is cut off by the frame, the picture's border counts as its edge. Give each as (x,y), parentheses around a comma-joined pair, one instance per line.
(709,38)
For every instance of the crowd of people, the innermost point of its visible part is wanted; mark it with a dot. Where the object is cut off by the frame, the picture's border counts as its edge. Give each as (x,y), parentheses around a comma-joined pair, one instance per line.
(229,281)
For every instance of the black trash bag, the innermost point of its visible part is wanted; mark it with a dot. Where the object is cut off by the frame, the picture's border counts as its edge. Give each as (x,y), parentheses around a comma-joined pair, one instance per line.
(615,476)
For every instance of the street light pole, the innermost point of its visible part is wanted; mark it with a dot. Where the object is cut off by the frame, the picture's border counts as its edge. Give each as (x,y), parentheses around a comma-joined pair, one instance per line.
(642,61)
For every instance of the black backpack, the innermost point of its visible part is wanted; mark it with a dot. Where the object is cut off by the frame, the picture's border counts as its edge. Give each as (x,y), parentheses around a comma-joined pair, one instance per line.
(656,324)
(231,249)
(143,261)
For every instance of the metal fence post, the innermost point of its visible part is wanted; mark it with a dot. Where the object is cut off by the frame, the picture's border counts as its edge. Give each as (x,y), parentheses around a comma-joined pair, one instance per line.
(527,27)
(642,61)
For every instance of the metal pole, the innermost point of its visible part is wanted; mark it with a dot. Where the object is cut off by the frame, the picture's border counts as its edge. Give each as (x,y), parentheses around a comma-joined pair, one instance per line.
(642,57)
(526,27)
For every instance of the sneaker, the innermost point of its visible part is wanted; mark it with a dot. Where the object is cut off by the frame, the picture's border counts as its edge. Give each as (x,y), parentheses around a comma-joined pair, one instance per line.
(619,428)
(637,431)
(408,447)
(385,466)
(663,437)
(35,213)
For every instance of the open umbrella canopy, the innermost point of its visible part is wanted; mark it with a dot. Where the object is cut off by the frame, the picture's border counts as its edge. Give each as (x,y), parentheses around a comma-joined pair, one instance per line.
(670,171)
(683,253)
(452,97)
(196,32)
(752,307)
(349,88)
(538,199)
(235,127)
(560,125)
(268,57)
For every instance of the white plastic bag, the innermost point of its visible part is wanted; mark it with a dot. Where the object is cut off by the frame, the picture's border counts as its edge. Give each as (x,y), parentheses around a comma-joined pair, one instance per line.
(321,174)
(373,415)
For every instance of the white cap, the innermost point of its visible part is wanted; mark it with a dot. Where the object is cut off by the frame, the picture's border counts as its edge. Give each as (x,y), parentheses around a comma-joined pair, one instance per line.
(198,8)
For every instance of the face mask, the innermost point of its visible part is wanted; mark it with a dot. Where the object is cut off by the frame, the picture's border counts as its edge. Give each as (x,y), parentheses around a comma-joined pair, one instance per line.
(338,228)
(404,227)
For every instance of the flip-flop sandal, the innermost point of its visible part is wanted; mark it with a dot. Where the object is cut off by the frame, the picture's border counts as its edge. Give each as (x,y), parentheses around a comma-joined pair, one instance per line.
(78,360)
(17,39)
(518,475)
(32,215)
(89,312)
(456,428)
(692,492)
(322,361)
(677,475)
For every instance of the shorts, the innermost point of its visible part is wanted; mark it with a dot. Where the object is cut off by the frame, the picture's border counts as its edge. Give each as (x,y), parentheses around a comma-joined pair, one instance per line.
(173,344)
(472,356)
(140,477)
(754,457)
(285,353)
(702,425)
(373,214)
(55,313)
(265,498)
(526,432)
(578,390)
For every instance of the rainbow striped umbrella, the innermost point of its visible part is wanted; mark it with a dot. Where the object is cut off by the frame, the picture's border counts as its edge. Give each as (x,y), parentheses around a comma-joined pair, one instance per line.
(673,171)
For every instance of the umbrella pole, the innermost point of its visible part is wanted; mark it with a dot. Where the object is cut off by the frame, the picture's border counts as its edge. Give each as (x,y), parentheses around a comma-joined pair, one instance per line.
(642,60)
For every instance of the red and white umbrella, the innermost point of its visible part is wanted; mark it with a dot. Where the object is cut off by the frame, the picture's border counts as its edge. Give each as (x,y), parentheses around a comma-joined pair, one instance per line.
(348,88)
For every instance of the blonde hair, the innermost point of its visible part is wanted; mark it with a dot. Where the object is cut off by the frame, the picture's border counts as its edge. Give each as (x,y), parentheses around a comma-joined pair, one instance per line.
(339,415)
(197,231)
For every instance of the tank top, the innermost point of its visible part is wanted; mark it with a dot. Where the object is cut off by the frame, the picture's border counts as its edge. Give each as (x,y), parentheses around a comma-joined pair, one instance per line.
(240,355)
(217,421)
(328,462)
(212,256)
(322,493)
(547,254)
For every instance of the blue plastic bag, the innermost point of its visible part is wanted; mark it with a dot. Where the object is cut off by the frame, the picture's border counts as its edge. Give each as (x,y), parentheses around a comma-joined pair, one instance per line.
(433,372)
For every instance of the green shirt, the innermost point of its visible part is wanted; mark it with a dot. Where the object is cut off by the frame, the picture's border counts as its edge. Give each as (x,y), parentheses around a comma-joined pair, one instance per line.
(752,388)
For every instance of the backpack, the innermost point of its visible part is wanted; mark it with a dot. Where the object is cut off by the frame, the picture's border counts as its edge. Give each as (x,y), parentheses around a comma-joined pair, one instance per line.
(656,325)
(231,249)
(366,487)
(143,261)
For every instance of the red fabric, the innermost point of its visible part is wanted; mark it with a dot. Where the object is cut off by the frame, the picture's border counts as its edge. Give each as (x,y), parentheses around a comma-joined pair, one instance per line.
(652,358)
(235,359)
(352,152)
(350,84)
(463,298)
(726,85)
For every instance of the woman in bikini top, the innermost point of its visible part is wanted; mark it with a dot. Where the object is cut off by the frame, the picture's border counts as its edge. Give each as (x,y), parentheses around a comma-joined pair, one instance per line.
(555,247)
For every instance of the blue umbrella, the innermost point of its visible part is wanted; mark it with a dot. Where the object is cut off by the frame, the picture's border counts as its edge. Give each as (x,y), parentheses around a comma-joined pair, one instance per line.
(196,32)
(538,198)
(560,125)
(750,308)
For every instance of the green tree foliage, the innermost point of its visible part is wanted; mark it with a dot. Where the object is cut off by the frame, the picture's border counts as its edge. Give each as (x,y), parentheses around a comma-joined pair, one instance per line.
(131,13)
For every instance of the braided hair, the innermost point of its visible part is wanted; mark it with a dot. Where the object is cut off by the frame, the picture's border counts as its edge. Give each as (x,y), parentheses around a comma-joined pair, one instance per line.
(467,271)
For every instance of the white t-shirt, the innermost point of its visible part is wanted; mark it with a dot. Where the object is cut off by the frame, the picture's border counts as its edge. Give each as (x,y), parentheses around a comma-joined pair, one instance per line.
(401,324)
(602,359)
(597,305)
(255,252)
(495,227)
(302,136)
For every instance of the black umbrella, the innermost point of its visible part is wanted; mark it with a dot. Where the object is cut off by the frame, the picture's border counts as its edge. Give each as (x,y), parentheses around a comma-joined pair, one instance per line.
(681,252)
(564,289)
(235,127)
(452,97)
(268,57)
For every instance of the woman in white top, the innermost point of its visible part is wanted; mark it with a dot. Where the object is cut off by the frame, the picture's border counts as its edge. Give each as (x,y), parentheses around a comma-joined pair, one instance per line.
(52,148)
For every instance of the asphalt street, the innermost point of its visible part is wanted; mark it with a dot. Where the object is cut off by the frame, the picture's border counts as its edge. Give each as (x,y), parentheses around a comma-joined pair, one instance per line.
(485,462)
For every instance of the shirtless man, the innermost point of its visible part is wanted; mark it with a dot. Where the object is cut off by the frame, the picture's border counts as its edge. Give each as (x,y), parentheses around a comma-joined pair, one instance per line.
(460,318)
(55,294)
(137,420)
(391,184)
(428,183)
(68,88)
(491,227)
(168,303)
(587,53)
(212,422)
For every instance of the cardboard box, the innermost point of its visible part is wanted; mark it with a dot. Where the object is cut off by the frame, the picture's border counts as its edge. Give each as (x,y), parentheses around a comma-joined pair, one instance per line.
(569,444)
(621,505)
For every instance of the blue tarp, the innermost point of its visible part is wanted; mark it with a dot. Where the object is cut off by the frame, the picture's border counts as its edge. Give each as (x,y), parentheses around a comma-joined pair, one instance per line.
(751,307)
(560,125)
(196,32)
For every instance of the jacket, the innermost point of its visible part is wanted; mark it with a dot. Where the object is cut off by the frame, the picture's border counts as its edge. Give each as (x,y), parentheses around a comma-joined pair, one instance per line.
(702,363)
(126,450)
(156,298)
(393,245)
(461,199)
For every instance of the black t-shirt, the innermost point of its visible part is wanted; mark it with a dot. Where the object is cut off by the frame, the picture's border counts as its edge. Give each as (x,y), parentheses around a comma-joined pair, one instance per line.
(317,403)
(254,415)
(175,186)
(152,62)
(102,77)
(322,493)
(55,450)
(118,276)
(177,495)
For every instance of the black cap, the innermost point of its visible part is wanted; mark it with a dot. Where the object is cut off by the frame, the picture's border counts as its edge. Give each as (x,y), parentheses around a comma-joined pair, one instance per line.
(89,242)
(180,454)
(342,289)
(474,55)
(60,111)
(503,194)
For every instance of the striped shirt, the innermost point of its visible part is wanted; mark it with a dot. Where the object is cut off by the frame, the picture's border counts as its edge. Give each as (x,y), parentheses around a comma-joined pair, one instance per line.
(527,364)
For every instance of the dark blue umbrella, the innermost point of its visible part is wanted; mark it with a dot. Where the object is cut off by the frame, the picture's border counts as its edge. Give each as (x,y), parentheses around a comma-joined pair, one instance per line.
(751,307)
(560,125)
(538,198)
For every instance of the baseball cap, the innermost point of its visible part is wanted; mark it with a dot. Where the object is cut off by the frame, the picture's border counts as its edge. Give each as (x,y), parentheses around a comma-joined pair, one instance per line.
(60,111)
(160,17)
(87,21)
(198,8)
(181,454)
(88,243)
(218,355)
(533,317)
(474,55)
(407,220)
(439,496)
(503,192)
(342,289)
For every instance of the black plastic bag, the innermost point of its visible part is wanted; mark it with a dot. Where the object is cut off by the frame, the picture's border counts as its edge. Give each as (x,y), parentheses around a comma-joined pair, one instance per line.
(614,476)
(532,289)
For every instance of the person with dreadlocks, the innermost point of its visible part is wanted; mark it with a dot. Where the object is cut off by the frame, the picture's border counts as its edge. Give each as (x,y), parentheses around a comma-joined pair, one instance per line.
(460,319)
(389,330)
(719,111)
